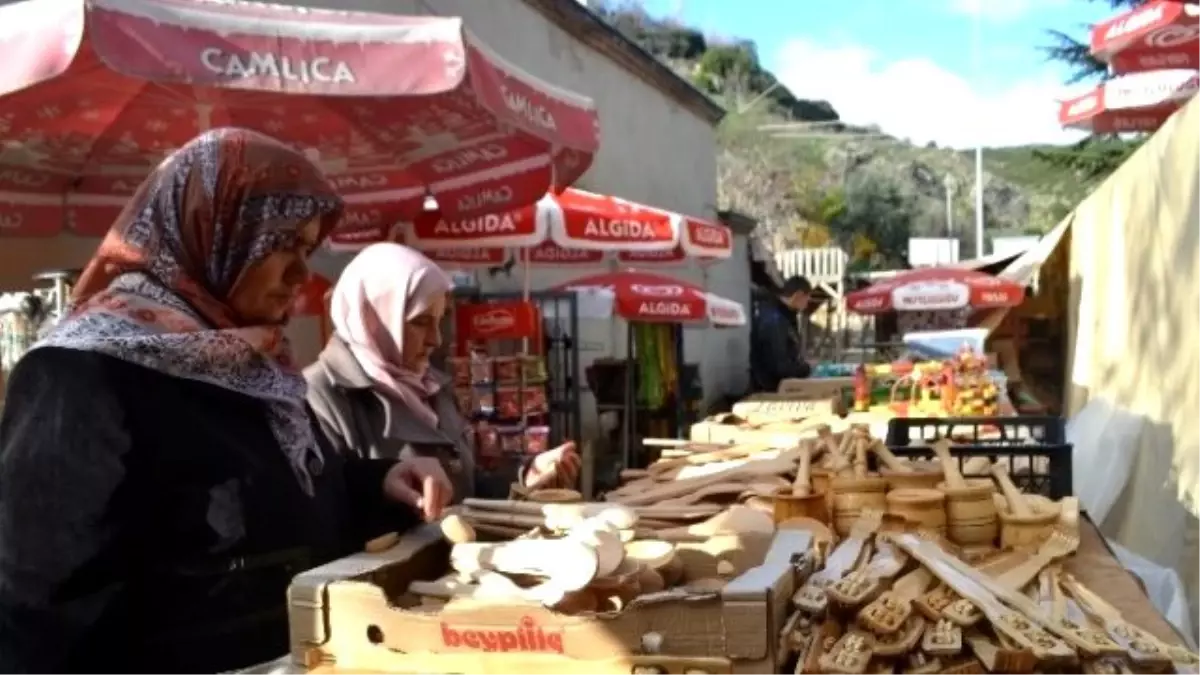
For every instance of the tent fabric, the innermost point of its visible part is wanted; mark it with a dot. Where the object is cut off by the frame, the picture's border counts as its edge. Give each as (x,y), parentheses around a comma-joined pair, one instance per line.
(1135,340)
(1023,268)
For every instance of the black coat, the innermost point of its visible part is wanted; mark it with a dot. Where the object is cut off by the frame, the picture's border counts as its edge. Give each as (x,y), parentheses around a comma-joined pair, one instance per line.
(150,523)
(778,351)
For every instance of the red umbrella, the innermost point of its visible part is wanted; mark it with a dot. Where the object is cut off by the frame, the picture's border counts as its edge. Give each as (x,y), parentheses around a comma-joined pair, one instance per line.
(1131,103)
(936,289)
(578,227)
(653,298)
(93,94)
(1159,34)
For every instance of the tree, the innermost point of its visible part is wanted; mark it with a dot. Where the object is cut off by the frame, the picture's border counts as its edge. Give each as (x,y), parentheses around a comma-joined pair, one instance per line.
(877,220)
(1094,156)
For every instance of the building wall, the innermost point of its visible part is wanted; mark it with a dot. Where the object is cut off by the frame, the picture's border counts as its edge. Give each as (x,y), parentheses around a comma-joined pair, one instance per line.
(653,150)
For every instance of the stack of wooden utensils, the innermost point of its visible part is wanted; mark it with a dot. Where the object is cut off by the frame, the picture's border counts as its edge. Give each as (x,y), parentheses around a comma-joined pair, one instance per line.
(825,482)
(582,558)
(691,521)
(894,599)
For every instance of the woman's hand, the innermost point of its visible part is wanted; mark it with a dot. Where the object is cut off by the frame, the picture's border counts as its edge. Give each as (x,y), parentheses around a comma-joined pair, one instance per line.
(554,468)
(422,483)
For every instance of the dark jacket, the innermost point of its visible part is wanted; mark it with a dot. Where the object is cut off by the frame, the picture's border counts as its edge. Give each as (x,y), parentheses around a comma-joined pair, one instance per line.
(778,351)
(150,523)
(361,422)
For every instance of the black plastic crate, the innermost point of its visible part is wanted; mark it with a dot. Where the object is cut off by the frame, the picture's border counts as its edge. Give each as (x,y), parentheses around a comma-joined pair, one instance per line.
(1036,447)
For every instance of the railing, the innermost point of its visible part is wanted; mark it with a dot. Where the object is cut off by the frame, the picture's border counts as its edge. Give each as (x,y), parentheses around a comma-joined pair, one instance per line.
(818,265)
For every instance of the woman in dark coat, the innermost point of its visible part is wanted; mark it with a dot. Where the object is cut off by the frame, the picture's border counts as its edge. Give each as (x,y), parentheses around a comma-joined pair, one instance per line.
(161,480)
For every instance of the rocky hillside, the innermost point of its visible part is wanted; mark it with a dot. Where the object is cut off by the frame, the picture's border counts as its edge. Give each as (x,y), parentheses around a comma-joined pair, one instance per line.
(855,185)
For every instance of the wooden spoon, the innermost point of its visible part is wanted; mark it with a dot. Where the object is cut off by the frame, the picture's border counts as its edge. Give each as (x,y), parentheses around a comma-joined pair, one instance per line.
(729,490)
(567,565)
(652,553)
(602,538)
(736,519)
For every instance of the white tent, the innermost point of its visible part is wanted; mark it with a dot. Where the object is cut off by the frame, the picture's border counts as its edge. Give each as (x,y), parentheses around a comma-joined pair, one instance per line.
(1133,357)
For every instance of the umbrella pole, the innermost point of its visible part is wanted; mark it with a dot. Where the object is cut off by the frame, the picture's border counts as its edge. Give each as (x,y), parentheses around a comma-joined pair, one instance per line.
(680,399)
(629,418)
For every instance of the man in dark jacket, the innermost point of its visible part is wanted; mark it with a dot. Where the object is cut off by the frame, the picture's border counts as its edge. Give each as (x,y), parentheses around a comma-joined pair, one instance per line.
(778,350)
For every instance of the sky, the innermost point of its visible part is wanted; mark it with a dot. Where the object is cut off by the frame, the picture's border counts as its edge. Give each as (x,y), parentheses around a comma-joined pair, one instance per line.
(909,65)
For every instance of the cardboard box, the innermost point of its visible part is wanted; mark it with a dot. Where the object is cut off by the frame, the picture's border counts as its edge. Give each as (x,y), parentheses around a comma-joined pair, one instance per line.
(783,407)
(816,388)
(354,615)
(730,429)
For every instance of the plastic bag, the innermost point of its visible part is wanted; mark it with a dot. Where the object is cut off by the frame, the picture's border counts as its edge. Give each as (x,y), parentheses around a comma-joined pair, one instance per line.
(1106,442)
(1163,586)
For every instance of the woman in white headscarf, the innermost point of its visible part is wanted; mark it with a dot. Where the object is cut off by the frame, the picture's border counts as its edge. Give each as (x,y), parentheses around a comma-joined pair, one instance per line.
(373,389)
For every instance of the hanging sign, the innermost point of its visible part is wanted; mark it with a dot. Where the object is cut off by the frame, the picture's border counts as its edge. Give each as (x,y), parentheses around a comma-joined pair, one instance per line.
(484,322)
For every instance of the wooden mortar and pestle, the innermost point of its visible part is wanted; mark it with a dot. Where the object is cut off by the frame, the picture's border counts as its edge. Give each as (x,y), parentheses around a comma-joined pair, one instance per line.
(827,446)
(921,507)
(1022,525)
(971,518)
(901,474)
(857,491)
(800,500)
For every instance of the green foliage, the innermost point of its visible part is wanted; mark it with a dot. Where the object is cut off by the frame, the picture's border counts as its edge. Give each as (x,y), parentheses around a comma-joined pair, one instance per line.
(878,210)
(1092,158)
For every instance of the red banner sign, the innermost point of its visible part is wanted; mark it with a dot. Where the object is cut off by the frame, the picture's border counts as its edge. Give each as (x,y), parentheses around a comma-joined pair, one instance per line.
(488,321)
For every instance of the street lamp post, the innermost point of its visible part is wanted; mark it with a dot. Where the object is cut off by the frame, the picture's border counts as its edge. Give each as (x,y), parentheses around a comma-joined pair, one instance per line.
(950,185)
(977,54)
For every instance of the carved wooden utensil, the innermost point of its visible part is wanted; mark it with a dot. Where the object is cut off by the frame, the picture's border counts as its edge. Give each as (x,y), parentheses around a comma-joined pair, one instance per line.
(736,519)
(567,565)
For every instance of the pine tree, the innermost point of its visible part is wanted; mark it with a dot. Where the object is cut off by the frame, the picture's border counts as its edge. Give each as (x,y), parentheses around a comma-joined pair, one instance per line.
(1094,156)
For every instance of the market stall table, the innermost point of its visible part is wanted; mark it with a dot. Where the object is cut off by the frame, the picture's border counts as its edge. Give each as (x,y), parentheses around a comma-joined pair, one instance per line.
(1097,568)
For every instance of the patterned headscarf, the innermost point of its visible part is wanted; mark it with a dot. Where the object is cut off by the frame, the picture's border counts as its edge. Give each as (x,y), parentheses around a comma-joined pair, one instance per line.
(156,293)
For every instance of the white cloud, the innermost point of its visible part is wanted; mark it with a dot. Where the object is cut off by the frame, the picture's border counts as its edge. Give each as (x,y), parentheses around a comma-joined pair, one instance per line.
(920,100)
(1001,10)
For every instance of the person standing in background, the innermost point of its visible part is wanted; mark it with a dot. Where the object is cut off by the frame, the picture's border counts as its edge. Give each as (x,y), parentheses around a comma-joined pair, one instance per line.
(778,350)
